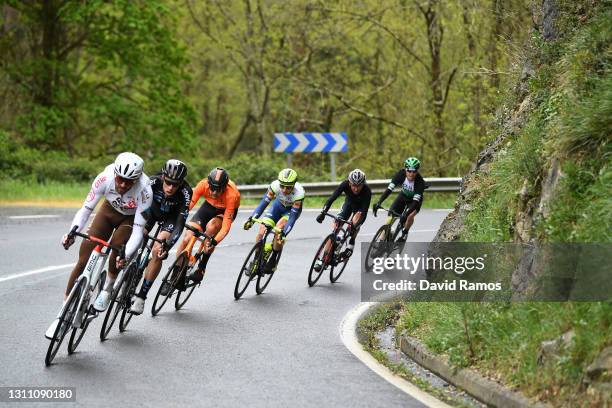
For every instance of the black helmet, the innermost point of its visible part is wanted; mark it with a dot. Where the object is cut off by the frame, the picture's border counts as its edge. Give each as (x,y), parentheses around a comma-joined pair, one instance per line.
(218,179)
(175,170)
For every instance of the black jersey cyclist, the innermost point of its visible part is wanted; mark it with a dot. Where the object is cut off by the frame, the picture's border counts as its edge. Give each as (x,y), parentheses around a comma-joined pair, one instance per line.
(411,195)
(357,197)
(171,198)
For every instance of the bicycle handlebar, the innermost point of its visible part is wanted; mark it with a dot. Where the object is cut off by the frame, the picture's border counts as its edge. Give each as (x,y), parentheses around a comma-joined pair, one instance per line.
(342,220)
(120,249)
(390,211)
(263,222)
(197,232)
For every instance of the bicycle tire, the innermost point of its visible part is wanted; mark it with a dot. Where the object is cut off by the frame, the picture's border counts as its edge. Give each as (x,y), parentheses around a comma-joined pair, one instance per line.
(65,322)
(263,280)
(184,294)
(333,277)
(130,291)
(253,256)
(79,332)
(373,246)
(114,306)
(176,267)
(319,255)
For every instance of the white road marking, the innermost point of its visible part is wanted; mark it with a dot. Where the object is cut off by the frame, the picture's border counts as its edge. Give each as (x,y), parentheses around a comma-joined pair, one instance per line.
(23,217)
(348,335)
(443,209)
(35,272)
(411,231)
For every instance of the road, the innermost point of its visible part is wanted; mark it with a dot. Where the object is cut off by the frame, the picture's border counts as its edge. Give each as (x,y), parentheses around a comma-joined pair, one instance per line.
(278,349)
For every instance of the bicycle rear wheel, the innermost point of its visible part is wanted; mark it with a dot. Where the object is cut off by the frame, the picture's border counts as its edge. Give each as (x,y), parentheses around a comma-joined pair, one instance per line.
(248,272)
(170,278)
(263,280)
(324,256)
(65,321)
(130,291)
(113,308)
(87,310)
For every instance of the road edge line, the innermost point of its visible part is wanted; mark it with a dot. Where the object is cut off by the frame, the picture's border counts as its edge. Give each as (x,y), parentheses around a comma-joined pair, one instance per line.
(348,334)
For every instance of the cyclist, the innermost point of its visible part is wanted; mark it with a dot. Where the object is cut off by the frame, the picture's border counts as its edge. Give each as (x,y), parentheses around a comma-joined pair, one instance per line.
(127,195)
(411,196)
(356,204)
(215,216)
(171,200)
(288,196)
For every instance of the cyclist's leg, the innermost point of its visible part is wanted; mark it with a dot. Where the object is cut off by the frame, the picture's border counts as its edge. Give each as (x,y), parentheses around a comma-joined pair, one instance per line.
(205,219)
(100,227)
(198,221)
(274,212)
(411,216)
(155,263)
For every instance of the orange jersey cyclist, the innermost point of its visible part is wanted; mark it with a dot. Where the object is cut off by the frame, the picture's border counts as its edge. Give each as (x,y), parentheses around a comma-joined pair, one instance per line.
(287,197)
(127,196)
(215,216)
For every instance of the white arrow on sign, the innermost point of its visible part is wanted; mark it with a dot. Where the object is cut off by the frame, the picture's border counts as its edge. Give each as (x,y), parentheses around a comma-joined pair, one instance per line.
(284,142)
(303,142)
(340,142)
(321,142)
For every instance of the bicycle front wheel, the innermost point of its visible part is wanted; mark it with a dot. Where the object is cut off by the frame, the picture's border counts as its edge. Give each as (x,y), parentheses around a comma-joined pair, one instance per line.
(130,290)
(65,321)
(263,280)
(248,272)
(324,257)
(169,279)
(182,296)
(86,311)
(113,308)
(376,247)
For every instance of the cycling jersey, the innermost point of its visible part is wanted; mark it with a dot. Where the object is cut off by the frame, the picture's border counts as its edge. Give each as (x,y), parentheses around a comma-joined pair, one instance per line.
(174,209)
(411,189)
(360,201)
(291,204)
(133,202)
(228,201)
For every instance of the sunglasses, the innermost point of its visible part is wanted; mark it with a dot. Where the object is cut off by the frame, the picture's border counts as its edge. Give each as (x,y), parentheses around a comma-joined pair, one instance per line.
(410,171)
(122,180)
(172,183)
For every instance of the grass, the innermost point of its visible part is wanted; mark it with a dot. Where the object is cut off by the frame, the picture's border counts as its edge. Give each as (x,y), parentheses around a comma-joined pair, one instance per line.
(58,194)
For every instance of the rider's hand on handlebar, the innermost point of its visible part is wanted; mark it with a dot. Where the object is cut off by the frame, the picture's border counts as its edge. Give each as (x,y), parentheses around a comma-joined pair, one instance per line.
(375,208)
(67,241)
(120,262)
(248,223)
(321,217)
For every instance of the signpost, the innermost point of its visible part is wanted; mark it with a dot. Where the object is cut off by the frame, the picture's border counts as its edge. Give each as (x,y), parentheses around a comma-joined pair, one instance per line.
(332,143)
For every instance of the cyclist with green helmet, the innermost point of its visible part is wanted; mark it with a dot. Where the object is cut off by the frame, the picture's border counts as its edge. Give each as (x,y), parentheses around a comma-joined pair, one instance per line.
(286,196)
(411,195)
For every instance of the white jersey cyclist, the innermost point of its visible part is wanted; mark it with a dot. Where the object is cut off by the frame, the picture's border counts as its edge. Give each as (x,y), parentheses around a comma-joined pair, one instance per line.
(134,202)
(287,200)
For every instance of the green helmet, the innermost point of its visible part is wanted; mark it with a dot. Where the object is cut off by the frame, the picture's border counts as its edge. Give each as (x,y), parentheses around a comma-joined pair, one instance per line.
(287,177)
(412,163)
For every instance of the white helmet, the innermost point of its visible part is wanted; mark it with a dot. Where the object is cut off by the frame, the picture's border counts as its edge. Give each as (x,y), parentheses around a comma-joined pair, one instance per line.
(357,177)
(128,165)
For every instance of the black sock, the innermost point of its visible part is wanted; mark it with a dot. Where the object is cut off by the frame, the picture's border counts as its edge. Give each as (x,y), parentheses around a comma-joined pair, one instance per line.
(273,256)
(146,285)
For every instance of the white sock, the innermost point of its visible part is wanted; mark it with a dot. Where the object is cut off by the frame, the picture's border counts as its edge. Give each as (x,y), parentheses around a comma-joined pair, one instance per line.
(108,286)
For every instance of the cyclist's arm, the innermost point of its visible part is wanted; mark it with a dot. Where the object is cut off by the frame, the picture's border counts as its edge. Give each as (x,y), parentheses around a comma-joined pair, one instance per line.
(266,199)
(419,189)
(341,188)
(181,218)
(145,200)
(93,198)
(294,214)
(228,218)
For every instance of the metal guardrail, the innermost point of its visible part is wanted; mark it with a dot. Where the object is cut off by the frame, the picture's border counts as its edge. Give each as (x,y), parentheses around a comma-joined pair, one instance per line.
(325,188)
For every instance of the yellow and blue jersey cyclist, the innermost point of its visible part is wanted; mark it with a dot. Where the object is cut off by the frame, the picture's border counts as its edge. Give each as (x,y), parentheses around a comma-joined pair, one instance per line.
(287,197)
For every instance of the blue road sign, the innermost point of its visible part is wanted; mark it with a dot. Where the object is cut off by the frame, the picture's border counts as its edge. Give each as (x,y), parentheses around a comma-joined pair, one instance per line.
(289,142)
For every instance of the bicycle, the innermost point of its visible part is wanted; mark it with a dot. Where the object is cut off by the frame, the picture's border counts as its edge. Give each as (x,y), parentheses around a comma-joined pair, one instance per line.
(77,312)
(253,264)
(176,277)
(386,235)
(332,252)
(125,286)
